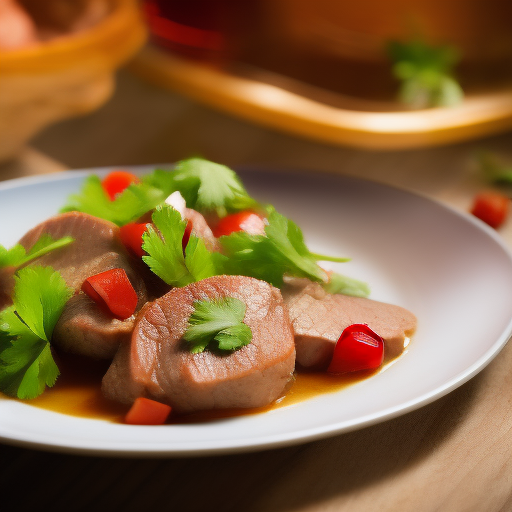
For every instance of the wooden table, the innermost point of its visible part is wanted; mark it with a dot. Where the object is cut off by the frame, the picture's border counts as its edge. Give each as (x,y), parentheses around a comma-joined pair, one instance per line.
(452,455)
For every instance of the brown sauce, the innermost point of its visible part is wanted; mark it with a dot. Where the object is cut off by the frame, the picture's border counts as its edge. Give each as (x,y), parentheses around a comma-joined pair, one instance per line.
(78,392)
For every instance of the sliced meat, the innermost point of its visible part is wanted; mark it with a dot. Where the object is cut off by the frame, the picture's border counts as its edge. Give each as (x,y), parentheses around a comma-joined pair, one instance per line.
(318,319)
(158,364)
(83,327)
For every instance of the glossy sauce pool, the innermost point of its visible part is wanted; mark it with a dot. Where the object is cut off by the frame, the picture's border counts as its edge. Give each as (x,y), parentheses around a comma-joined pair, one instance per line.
(78,392)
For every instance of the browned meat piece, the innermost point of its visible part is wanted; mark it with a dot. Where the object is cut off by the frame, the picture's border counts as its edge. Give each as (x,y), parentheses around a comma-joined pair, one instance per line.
(201,229)
(318,319)
(157,364)
(83,327)
(6,286)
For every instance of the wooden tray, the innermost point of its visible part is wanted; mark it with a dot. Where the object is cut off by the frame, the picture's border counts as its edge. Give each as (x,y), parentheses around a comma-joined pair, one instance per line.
(340,120)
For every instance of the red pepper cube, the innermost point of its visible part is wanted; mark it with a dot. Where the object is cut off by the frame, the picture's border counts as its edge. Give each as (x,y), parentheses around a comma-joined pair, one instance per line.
(112,289)
(247,221)
(131,236)
(117,181)
(147,412)
(358,348)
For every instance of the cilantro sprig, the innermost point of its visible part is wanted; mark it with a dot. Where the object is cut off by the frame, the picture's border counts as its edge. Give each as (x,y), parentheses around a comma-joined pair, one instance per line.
(17,256)
(206,186)
(26,327)
(166,257)
(129,205)
(282,250)
(210,187)
(426,74)
(217,324)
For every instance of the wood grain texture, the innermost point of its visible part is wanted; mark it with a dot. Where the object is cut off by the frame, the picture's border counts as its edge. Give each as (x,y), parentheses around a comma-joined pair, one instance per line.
(453,455)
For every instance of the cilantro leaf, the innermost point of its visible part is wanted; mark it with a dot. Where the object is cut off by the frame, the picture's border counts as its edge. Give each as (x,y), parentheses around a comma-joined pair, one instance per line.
(40,294)
(129,205)
(281,251)
(11,257)
(165,251)
(426,74)
(346,286)
(17,255)
(207,186)
(288,241)
(219,320)
(251,255)
(27,367)
(26,363)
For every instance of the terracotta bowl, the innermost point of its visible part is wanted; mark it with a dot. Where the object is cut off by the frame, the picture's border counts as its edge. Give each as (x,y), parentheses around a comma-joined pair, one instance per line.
(66,76)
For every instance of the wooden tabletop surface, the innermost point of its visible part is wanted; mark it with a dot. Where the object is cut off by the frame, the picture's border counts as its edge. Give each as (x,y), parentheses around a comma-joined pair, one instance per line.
(452,455)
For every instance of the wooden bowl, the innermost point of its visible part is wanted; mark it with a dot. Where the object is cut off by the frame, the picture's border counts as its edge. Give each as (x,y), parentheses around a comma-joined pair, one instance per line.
(64,77)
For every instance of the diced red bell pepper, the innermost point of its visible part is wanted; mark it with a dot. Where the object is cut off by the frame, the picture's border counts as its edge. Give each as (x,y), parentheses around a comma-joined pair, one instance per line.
(491,207)
(358,348)
(112,289)
(247,221)
(116,181)
(147,412)
(131,236)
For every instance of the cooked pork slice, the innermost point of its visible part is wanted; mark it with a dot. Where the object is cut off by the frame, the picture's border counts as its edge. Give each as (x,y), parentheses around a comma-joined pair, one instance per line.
(84,328)
(318,319)
(158,363)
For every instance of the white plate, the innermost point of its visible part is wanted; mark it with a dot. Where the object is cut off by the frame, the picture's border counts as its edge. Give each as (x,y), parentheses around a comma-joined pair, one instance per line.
(449,269)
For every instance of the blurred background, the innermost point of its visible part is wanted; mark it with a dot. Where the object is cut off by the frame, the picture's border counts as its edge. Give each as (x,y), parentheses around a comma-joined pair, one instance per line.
(328,85)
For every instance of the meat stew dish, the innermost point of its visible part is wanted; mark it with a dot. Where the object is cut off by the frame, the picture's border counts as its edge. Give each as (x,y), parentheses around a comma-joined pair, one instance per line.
(229,303)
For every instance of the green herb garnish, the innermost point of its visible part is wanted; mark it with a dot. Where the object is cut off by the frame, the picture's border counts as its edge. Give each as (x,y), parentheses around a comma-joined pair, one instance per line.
(165,251)
(282,251)
(17,256)
(210,187)
(26,327)
(218,322)
(206,186)
(346,286)
(129,205)
(426,74)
